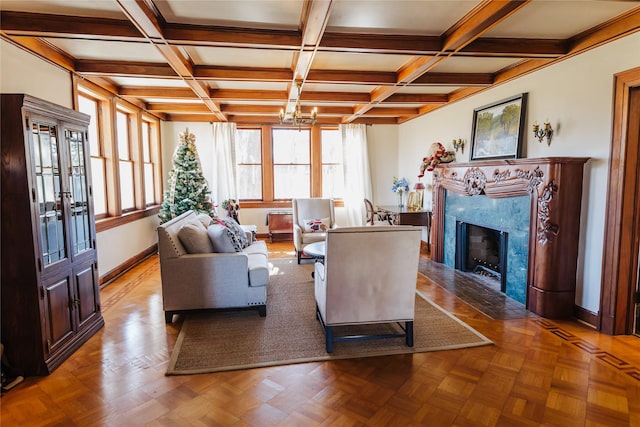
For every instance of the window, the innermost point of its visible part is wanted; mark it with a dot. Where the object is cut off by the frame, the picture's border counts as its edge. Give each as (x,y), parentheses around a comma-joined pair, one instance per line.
(150,167)
(249,164)
(276,164)
(332,171)
(124,144)
(90,106)
(291,163)
(127,200)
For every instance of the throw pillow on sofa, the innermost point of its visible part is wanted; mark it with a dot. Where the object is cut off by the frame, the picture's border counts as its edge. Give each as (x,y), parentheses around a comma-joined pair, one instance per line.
(235,228)
(223,240)
(205,219)
(194,238)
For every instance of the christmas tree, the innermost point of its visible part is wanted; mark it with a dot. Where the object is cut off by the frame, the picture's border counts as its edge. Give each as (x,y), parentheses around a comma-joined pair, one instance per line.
(188,188)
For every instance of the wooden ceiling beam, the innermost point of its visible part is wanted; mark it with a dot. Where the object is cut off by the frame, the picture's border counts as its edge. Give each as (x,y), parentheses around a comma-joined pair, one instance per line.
(125,68)
(143,14)
(480,19)
(183,34)
(314,22)
(46,25)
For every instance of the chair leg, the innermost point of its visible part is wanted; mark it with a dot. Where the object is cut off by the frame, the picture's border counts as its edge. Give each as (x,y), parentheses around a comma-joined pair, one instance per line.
(409,333)
(329,332)
(299,255)
(262,310)
(168,316)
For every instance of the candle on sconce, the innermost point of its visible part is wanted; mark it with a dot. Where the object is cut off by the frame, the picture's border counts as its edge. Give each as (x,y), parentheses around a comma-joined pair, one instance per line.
(535,127)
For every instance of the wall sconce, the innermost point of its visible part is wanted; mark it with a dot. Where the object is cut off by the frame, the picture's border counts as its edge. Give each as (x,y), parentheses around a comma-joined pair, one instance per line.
(458,144)
(547,132)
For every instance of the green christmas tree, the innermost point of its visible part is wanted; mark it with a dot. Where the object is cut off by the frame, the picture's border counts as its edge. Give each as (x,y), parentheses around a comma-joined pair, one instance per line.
(188,188)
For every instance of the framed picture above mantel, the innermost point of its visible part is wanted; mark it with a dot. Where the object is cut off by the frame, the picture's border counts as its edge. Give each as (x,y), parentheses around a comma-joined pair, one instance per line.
(498,129)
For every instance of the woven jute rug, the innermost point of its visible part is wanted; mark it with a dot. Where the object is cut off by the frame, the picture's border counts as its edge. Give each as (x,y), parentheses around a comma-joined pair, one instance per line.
(290,333)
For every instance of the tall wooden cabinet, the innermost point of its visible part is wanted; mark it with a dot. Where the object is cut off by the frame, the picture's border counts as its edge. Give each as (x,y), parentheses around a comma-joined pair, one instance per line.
(50,293)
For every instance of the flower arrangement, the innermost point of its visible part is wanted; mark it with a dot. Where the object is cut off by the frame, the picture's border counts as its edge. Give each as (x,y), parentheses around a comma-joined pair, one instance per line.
(232,206)
(400,185)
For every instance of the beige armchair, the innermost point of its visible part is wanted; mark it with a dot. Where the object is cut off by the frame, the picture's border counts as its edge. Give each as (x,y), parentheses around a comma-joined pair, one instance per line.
(311,219)
(369,276)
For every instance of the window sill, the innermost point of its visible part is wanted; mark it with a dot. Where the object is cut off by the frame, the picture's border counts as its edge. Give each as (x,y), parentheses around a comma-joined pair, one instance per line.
(116,221)
(275,205)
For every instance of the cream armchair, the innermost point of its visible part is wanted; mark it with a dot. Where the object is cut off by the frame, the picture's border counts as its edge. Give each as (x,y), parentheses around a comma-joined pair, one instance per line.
(311,219)
(369,276)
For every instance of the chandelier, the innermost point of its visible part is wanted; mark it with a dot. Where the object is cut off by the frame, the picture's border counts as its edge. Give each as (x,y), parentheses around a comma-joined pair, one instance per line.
(296,118)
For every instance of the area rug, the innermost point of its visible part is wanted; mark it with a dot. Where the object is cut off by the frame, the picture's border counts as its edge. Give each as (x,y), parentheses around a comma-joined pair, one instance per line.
(290,333)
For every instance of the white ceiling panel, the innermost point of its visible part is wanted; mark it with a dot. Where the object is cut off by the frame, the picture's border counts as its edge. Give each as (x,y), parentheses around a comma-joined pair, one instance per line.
(272,14)
(560,19)
(108,50)
(418,17)
(233,57)
(101,8)
(474,65)
(148,82)
(245,85)
(358,61)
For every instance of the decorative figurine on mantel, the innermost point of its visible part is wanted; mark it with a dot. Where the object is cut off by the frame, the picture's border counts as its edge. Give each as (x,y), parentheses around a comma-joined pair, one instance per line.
(438,154)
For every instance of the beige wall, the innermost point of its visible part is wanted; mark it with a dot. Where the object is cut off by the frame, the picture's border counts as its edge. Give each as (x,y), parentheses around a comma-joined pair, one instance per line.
(576,96)
(22,72)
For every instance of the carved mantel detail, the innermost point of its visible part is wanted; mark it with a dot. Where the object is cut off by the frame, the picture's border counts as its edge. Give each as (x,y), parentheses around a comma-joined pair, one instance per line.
(554,185)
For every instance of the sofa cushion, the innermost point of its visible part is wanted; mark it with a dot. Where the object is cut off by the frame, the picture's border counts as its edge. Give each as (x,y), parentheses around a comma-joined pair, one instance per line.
(258,270)
(257,247)
(222,239)
(205,219)
(194,238)
(236,229)
(316,225)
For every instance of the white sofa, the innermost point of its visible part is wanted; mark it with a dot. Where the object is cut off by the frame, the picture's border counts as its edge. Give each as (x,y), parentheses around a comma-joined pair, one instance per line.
(210,280)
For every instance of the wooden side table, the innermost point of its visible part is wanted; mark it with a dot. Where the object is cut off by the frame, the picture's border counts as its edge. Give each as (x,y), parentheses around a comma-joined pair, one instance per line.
(280,225)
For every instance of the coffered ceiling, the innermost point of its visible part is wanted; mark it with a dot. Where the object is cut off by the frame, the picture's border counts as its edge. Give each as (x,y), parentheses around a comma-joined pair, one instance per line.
(360,61)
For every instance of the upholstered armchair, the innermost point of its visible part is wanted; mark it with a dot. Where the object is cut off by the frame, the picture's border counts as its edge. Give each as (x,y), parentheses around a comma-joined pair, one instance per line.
(311,220)
(369,276)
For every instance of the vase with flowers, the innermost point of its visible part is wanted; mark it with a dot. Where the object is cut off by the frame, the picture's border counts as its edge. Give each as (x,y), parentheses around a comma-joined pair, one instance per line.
(400,186)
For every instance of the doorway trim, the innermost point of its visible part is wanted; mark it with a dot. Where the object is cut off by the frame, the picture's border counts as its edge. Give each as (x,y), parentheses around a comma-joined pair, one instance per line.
(620,248)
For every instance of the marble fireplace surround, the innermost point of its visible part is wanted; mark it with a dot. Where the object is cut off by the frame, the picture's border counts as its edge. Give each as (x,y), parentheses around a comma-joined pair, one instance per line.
(554,185)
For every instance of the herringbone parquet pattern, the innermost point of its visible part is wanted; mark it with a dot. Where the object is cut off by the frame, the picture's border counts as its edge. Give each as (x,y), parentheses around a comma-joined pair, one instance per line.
(538,373)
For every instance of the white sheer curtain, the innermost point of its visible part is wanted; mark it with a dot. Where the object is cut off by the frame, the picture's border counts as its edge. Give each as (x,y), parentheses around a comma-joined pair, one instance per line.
(357,176)
(224,173)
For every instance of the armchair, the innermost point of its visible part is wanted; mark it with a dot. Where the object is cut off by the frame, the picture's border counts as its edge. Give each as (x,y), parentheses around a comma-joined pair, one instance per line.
(311,219)
(376,216)
(369,276)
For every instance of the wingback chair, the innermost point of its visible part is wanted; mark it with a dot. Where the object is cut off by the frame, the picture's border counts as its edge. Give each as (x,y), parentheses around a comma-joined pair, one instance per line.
(369,276)
(311,219)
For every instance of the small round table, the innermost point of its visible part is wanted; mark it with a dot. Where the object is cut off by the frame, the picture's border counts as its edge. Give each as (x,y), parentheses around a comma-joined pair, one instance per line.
(315,250)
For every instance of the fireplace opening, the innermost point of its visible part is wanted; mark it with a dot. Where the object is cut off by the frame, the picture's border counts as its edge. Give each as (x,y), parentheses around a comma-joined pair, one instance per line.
(483,251)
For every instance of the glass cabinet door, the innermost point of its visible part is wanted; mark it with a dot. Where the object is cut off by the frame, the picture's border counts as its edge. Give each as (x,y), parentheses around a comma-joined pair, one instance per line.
(78,186)
(49,192)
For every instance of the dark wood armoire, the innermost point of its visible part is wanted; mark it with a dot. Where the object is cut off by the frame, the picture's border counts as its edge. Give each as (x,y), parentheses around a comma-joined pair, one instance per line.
(50,291)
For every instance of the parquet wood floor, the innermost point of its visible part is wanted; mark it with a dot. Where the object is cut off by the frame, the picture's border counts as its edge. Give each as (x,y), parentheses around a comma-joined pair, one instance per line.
(538,373)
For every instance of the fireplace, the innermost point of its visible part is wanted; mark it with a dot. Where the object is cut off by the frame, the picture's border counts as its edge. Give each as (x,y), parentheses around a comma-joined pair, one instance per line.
(536,202)
(482,250)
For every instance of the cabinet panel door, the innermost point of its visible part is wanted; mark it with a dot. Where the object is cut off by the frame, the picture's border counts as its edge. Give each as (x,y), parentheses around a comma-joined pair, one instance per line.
(49,192)
(80,218)
(59,321)
(86,290)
